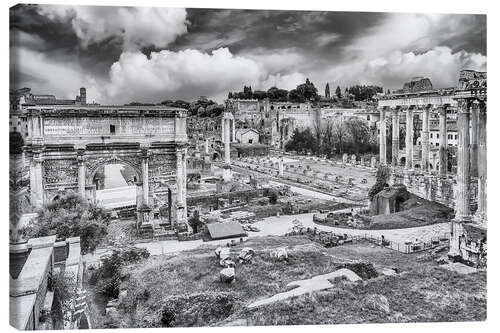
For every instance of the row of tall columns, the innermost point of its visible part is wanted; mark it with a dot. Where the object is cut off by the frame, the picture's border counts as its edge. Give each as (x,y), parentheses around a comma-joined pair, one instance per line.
(443,142)
(383,134)
(409,138)
(395,137)
(409,113)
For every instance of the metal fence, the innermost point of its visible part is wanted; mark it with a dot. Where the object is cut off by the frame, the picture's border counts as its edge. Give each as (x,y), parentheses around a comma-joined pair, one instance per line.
(407,247)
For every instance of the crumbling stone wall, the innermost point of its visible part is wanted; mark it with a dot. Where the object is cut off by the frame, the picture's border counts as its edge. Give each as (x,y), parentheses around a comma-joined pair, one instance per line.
(432,187)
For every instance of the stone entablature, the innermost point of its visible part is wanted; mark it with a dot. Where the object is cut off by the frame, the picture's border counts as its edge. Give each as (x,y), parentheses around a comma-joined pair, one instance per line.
(82,124)
(420,99)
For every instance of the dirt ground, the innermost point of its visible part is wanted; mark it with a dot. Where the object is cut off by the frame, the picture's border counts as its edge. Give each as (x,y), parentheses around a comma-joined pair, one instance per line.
(188,282)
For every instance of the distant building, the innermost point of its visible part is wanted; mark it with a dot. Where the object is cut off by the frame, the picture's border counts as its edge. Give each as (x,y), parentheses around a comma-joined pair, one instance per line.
(20,98)
(247,136)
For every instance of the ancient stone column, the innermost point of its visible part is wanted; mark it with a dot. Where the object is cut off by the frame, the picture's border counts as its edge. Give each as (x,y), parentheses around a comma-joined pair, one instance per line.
(227,149)
(443,142)
(395,137)
(482,166)
(138,194)
(463,162)
(382,147)
(145,177)
(184,180)
(81,175)
(474,139)
(425,140)
(180,183)
(409,138)
(234,131)
(206,146)
(223,129)
(36,184)
(281,166)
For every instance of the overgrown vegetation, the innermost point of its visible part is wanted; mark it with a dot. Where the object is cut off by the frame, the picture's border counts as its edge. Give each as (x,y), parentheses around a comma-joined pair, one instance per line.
(64,287)
(381,181)
(351,136)
(183,289)
(108,276)
(70,216)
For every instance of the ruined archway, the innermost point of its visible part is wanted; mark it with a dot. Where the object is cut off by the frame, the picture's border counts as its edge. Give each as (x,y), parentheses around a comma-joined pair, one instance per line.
(66,145)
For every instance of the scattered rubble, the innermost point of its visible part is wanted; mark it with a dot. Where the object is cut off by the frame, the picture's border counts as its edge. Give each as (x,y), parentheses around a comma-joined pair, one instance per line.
(279,254)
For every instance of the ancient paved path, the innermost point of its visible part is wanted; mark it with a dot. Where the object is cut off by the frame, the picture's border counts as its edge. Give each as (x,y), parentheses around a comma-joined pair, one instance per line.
(319,282)
(280,225)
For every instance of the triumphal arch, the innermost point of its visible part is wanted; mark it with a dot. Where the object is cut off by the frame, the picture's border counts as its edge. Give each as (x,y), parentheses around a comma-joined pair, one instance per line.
(67,144)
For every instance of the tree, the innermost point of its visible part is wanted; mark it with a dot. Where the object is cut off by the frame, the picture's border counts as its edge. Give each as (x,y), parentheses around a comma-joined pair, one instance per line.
(301,141)
(339,135)
(327,91)
(16,143)
(308,91)
(259,94)
(338,92)
(70,216)
(277,95)
(360,133)
(295,96)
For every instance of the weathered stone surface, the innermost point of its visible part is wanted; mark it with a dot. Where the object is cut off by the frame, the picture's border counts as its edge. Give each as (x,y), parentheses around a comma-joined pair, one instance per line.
(246,254)
(279,254)
(227,275)
(376,302)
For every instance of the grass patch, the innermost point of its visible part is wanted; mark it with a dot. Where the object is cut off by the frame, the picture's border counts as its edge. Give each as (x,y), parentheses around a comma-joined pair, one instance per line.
(184,289)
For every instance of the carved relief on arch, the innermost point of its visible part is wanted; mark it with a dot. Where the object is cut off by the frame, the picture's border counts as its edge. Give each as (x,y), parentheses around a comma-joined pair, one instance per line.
(93,163)
(60,171)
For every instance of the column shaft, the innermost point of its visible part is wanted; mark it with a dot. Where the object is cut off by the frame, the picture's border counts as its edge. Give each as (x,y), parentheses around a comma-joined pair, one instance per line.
(81,177)
(474,140)
(425,140)
(395,137)
(145,181)
(382,147)
(409,138)
(227,153)
(463,163)
(482,167)
(184,180)
(443,142)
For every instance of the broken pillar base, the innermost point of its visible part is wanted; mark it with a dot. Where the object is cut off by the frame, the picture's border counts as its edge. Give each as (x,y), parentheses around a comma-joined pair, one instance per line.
(227,174)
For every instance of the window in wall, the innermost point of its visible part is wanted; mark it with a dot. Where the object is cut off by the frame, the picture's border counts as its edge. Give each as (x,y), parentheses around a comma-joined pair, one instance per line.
(455,136)
(437,135)
(431,135)
(112,129)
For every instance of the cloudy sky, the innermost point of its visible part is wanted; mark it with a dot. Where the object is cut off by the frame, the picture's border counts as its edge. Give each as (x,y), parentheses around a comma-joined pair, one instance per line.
(124,54)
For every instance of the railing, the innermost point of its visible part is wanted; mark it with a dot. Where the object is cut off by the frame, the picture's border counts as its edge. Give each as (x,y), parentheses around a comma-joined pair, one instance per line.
(407,247)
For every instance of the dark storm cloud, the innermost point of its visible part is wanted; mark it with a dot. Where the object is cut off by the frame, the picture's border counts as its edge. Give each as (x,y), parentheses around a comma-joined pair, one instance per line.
(265,46)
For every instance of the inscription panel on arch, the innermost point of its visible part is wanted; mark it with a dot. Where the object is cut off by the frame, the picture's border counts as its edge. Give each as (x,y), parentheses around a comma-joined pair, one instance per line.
(86,126)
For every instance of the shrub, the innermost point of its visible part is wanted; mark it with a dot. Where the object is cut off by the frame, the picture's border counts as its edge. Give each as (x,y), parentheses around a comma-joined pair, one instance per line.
(70,216)
(108,276)
(381,182)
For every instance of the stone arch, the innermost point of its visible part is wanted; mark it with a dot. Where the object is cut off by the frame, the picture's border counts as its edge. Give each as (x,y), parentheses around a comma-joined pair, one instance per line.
(402,160)
(93,164)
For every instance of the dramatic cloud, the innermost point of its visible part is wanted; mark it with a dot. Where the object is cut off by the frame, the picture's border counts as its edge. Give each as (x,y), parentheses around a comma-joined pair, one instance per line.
(439,64)
(125,54)
(136,26)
